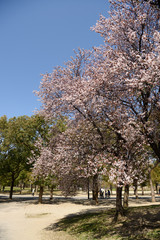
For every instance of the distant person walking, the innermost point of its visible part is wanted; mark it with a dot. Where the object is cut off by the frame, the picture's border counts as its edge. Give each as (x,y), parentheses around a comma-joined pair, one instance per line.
(102,193)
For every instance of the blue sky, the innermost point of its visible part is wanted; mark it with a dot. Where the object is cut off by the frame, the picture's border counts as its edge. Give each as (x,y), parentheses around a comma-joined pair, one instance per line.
(37,35)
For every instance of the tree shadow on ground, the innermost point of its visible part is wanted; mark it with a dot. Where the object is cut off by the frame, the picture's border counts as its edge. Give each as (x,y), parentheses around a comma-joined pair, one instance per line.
(6,199)
(101,202)
(141,223)
(56,200)
(109,202)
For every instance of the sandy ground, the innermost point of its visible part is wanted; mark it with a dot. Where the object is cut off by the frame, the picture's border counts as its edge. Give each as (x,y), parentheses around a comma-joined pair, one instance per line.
(27,220)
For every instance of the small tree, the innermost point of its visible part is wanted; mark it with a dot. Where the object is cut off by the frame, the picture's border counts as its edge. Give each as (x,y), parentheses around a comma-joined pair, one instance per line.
(42,158)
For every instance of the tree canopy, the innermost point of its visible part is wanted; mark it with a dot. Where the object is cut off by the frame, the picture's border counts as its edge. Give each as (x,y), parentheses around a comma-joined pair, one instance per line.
(18,136)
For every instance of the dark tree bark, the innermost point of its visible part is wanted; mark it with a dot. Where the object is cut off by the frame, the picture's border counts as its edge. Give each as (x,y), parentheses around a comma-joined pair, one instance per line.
(40,194)
(119,207)
(95,188)
(51,192)
(135,184)
(88,187)
(20,190)
(126,196)
(12,186)
(111,188)
(31,187)
(156,185)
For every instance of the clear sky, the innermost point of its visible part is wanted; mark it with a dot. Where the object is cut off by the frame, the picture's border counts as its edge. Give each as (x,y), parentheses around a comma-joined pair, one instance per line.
(35,36)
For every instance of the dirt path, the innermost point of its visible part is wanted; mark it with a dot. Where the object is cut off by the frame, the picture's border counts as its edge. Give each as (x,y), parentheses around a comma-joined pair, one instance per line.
(29,221)
(26,221)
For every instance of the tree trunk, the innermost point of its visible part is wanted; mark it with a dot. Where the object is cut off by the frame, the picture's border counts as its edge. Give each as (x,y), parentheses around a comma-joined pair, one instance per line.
(152,188)
(111,188)
(31,187)
(156,188)
(20,190)
(51,193)
(135,188)
(11,188)
(126,196)
(119,207)
(40,194)
(88,187)
(36,189)
(95,188)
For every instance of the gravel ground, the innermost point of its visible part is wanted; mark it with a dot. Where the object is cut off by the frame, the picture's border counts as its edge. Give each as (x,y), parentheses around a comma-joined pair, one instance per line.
(24,219)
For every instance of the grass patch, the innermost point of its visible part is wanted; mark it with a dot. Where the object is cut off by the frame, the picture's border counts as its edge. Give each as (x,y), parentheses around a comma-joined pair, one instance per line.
(140,223)
(27,190)
(38,215)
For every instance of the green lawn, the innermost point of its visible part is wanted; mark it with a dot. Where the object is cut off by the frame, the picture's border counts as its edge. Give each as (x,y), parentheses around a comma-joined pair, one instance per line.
(27,190)
(140,223)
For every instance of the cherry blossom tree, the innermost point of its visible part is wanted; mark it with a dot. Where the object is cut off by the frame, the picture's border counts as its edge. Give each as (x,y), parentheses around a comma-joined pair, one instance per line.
(115,87)
(79,155)
(131,66)
(43,166)
(132,40)
(42,159)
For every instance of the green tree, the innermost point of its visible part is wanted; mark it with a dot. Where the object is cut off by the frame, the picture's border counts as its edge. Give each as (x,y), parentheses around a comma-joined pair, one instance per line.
(17,138)
(156,176)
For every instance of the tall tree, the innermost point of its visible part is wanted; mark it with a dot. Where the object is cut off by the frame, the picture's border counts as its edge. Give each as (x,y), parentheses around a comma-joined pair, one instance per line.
(117,84)
(17,143)
(132,32)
